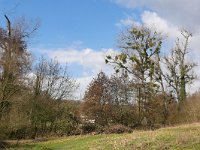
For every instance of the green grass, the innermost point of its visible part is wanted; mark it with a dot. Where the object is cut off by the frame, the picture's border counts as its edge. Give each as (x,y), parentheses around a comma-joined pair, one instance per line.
(175,138)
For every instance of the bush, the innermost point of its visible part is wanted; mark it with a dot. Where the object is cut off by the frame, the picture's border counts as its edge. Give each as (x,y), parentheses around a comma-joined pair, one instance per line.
(3,145)
(3,132)
(20,133)
(88,128)
(117,129)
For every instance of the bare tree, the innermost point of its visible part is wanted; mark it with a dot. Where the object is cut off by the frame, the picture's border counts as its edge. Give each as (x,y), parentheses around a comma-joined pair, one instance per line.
(52,83)
(123,99)
(179,69)
(140,46)
(15,61)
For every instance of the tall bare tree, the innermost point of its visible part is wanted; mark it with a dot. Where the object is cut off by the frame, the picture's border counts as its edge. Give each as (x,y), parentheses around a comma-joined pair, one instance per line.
(140,47)
(179,69)
(15,63)
(15,60)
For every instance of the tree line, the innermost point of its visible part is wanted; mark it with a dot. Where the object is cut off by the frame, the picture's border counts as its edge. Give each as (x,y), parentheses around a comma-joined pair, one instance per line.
(147,91)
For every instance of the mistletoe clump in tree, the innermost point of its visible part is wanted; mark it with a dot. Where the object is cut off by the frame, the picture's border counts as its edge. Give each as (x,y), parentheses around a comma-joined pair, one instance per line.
(139,59)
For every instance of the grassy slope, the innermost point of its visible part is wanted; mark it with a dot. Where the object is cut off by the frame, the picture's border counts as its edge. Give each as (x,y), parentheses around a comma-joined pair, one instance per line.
(181,137)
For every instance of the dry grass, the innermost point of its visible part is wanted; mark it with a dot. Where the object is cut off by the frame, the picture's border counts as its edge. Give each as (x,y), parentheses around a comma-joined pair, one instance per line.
(176,138)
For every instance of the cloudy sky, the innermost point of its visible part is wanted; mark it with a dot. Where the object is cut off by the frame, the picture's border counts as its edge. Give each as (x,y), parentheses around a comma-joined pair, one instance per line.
(82,32)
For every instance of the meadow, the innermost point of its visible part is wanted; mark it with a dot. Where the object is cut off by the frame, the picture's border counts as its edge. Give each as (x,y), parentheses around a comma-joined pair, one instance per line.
(175,138)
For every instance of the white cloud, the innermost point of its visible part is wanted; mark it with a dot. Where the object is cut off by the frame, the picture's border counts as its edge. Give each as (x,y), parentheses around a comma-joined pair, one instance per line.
(92,62)
(184,13)
(128,3)
(152,20)
(127,22)
(83,84)
(88,58)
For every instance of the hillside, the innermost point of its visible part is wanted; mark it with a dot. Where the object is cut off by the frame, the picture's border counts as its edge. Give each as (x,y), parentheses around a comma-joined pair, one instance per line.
(179,137)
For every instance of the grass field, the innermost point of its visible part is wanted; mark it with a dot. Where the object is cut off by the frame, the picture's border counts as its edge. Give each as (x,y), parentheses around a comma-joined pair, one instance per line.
(177,138)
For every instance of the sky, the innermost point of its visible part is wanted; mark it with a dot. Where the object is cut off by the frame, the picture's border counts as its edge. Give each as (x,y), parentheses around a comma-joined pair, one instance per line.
(82,32)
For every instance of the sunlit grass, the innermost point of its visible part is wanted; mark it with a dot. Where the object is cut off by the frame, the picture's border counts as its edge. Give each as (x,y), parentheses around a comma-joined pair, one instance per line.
(177,138)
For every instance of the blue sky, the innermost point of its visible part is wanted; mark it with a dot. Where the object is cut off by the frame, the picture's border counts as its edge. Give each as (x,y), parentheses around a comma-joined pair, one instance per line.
(82,32)
(69,23)
(63,22)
